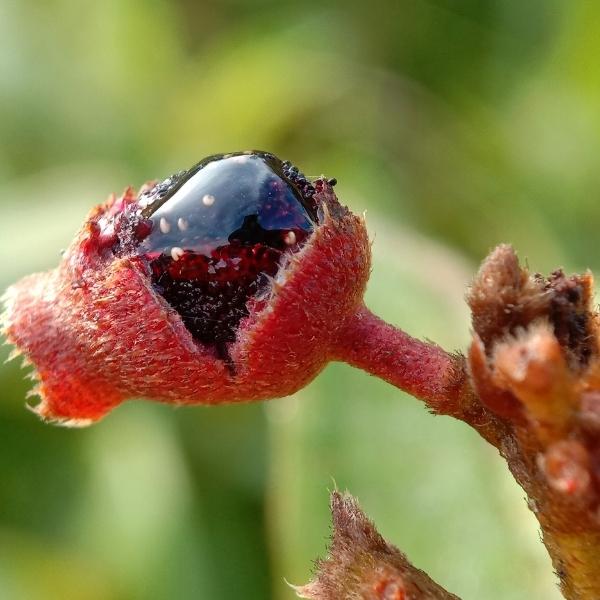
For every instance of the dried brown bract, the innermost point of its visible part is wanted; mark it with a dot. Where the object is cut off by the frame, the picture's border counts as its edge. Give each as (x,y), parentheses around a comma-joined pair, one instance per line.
(362,565)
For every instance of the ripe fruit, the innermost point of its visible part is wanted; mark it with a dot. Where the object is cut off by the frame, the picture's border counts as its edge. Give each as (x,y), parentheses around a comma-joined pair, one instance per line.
(228,282)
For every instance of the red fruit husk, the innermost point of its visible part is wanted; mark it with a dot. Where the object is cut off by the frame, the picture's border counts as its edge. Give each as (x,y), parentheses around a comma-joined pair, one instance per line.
(97,332)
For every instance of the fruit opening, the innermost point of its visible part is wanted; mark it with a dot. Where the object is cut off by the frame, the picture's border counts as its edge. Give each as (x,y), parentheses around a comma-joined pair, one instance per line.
(213,236)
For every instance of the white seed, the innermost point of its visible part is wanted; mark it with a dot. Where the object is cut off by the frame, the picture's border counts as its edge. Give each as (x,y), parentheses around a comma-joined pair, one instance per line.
(177,253)
(146,201)
(164,225)
(290,238)
(208,199)
(182,224)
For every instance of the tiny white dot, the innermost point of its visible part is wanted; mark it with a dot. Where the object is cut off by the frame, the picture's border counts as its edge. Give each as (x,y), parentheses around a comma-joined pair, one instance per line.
(290,238)
(182,224)
(177,253)
(164,225)
(208,199)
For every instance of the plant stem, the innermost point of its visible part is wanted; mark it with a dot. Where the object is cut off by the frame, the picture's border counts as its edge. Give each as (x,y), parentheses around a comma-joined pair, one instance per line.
(420,368)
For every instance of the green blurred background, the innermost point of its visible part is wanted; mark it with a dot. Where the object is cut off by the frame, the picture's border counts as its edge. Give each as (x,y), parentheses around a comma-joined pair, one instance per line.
(456,123)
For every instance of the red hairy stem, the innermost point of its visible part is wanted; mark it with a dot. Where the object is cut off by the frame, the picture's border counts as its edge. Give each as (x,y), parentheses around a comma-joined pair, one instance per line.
(422,369)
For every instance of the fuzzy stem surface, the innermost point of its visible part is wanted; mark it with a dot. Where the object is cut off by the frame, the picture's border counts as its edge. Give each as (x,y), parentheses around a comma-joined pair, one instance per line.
(423,369)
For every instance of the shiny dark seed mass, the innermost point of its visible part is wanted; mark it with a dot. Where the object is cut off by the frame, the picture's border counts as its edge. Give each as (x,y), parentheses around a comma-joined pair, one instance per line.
(214,234)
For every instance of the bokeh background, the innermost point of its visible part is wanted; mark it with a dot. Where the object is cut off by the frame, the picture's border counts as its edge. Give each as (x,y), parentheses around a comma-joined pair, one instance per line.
(456,124)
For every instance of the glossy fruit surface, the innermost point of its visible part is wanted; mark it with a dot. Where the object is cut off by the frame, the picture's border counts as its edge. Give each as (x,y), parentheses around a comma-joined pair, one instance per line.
(217,233)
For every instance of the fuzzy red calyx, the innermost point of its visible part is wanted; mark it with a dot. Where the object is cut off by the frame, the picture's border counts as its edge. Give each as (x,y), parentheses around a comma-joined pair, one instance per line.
(97,331)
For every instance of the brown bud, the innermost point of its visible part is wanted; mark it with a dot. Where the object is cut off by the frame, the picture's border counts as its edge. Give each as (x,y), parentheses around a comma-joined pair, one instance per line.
(566,466)
(532,366)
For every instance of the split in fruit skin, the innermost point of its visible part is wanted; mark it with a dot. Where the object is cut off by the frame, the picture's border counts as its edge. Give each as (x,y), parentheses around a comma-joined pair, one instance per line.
(214,236)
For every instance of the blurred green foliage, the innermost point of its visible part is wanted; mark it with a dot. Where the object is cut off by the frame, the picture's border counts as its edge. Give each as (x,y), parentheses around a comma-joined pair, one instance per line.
(458,124)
